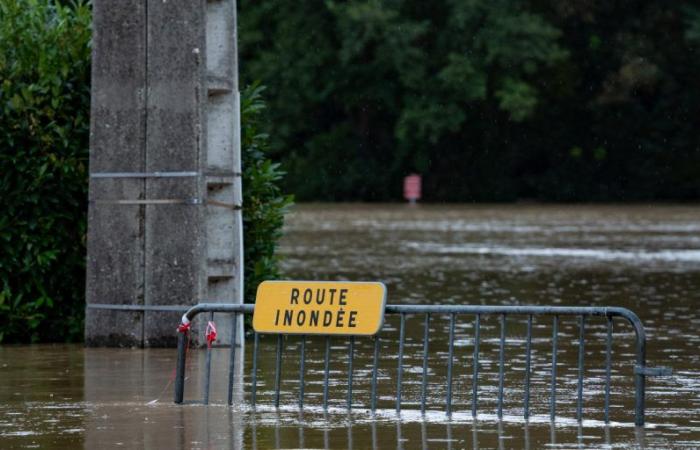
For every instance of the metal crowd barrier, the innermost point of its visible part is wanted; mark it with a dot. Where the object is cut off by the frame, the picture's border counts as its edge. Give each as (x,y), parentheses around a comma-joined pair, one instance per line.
(641,371)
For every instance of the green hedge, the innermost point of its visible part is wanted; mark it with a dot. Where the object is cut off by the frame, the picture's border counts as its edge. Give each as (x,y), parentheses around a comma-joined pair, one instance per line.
(44,127)
(264,205)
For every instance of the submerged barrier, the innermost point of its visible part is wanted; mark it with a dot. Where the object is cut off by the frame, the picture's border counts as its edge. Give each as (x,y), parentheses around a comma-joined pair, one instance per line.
(454,313)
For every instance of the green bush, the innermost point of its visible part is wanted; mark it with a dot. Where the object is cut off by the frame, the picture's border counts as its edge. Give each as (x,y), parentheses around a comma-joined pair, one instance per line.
(44,128)
(264,205)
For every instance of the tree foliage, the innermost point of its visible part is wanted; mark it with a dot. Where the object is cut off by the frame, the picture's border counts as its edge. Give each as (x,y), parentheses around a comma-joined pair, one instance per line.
(489,99)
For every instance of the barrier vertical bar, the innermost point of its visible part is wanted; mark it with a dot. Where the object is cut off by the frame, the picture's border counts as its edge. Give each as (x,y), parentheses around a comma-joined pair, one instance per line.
(448,400)
(424,381)
(475,362)
(399,378)
(180,368)
(640,370)
(528,362)
(553,395)
(608,365)
(278,370)
(302,371)
(351,352)
(207,367)
(326,369)
(375,363)
(254,370)
(639,375)
(581,350)
(373,426)
(232,358)
(501,365)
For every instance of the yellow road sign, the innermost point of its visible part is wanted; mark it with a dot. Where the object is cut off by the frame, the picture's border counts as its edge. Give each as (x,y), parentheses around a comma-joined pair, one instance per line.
(319,307)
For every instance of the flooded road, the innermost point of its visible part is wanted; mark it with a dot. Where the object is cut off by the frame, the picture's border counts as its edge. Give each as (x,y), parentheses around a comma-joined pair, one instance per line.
(643,258)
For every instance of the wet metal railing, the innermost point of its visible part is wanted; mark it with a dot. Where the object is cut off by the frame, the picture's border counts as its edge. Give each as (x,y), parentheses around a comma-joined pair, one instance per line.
(641,371)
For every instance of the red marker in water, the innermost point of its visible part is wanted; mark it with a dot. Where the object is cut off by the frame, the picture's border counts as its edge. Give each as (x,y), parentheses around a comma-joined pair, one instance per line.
(412,188)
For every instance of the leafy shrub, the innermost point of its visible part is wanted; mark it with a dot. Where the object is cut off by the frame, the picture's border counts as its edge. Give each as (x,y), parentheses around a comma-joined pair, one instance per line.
(264,205)
(44,128)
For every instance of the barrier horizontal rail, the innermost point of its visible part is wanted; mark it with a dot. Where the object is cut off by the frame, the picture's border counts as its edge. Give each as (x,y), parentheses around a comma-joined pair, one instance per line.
(452,311)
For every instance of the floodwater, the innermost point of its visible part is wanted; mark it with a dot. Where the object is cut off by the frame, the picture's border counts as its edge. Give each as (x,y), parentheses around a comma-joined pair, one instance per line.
(646,258)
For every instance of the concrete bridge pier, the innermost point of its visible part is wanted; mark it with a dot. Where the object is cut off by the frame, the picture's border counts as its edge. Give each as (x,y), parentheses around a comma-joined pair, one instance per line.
(164,219)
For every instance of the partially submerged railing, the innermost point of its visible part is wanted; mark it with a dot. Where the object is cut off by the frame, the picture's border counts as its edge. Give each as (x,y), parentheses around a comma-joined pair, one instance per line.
(641,371)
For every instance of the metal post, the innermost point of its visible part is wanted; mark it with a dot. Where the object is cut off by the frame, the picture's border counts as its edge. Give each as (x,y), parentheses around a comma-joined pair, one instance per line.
(207,376)
(581,351)
(528,363)
(501,365)
(302,370)
(254,370)
(639,392)
(278,369)
(180,370)
(375,365)
(553,395)
(639,376)
(351,354)
(424,381)
(399,378)
(232,358)
(608,366)
(326,369)
(475,377)
(448,400)
(207,367)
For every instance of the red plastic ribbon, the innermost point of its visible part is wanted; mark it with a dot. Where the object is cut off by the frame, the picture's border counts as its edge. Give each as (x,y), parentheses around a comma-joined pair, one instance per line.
(184,327)
(210,333)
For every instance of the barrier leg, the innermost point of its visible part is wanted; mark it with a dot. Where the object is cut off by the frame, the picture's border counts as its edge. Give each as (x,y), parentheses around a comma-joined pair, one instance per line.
(180,371)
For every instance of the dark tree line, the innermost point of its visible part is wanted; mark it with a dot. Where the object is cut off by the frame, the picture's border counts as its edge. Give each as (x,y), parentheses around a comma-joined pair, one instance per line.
(494,100)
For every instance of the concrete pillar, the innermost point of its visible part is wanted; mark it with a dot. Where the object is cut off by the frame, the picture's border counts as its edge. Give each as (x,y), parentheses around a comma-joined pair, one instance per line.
(115,263)
(164,219)
(223,161)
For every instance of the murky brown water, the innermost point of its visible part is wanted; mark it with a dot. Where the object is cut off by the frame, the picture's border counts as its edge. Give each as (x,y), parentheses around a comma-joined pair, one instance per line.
(643,258)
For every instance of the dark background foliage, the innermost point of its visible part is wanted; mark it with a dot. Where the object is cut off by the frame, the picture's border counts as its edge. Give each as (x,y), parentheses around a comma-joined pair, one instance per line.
(491,100)
(44,127)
